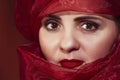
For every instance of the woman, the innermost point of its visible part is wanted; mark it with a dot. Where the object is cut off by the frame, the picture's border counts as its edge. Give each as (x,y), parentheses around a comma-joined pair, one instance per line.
(71,40)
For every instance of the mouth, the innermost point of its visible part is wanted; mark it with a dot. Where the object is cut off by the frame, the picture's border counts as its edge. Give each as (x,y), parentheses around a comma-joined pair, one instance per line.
(70,64)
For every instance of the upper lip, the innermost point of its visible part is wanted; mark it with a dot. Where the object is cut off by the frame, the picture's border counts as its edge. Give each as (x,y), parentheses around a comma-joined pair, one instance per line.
(71,63)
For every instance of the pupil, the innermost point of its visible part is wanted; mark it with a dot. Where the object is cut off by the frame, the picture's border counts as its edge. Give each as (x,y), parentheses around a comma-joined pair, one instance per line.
(89,26)
(54,25)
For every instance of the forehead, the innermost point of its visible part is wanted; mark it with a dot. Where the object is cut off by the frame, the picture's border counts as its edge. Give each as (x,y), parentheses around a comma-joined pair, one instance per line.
(82,14)
(68,13)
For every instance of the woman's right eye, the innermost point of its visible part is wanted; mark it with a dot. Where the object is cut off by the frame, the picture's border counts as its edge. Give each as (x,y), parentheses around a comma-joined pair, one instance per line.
(51,25)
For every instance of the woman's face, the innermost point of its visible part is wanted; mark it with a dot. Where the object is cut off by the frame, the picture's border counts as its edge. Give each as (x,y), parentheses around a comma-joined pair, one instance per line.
(71,39)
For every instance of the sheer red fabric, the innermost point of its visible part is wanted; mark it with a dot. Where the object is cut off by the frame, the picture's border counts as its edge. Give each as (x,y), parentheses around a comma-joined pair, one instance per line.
(35,67)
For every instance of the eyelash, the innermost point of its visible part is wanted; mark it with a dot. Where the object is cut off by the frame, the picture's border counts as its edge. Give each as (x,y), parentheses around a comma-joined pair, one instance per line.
(51,24)
(93,26)
(85,25)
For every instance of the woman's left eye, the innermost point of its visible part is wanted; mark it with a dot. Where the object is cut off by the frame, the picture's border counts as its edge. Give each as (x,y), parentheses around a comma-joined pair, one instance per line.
(89,26)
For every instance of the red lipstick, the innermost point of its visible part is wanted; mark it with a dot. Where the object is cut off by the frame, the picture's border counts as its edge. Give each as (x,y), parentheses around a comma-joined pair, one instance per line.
(71,63)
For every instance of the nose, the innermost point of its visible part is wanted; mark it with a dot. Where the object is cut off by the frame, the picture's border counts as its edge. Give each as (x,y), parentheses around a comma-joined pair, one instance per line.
(69,43)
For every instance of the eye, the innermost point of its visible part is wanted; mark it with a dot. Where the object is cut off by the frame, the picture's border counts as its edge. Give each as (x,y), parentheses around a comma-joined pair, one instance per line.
(89,26)
(51,25)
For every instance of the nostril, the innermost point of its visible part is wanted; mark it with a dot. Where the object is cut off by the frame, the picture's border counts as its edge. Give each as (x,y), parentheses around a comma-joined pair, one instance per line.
(68,50)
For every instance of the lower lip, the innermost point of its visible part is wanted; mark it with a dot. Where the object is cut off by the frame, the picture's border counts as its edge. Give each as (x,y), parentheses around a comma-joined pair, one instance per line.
(71,63)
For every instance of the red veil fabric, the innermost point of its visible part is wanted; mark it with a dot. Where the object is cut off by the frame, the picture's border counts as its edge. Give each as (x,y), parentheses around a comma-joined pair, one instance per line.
(33,66)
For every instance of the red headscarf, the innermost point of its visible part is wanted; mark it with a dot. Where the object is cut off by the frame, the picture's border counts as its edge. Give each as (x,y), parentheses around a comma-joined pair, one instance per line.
(35,67)
(29,11)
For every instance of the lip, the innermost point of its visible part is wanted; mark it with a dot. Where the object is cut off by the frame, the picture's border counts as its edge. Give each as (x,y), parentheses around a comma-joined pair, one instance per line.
(72,63)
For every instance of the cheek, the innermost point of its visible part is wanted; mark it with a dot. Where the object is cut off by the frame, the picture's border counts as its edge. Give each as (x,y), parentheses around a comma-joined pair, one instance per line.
(100,45)
(48,46)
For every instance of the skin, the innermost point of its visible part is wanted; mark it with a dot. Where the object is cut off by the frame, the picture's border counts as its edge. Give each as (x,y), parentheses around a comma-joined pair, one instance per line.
(74,35)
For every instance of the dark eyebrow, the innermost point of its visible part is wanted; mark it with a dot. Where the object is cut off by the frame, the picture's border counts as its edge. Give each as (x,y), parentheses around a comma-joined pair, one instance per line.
(85,17)
(53,17)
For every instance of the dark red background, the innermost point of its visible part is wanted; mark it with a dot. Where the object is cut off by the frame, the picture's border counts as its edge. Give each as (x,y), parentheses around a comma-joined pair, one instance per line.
(9,40)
